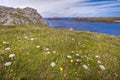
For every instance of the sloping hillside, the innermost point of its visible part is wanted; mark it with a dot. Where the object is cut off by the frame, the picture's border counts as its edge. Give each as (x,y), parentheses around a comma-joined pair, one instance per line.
(39,52)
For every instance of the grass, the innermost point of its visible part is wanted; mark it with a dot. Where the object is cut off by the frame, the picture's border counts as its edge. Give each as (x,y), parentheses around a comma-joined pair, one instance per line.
(33,63)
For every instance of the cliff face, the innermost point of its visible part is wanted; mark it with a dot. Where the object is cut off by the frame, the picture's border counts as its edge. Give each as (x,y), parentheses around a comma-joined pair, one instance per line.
(26,16)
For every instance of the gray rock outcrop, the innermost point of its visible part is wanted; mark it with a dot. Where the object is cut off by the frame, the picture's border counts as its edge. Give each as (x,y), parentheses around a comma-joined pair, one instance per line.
(26,16)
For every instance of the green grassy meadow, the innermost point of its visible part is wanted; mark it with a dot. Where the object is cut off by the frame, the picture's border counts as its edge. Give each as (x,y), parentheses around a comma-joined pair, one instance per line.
(77,55)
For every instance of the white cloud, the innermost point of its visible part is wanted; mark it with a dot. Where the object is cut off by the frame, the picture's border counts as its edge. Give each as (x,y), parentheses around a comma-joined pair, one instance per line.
(65,8)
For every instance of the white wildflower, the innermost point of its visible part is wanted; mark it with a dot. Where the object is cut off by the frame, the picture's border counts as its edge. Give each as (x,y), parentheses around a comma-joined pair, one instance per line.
(32,39)
(46,49)
(88,58)
(77,54)
(85,66)
(73,39)
(80,51)
(72,51)
(78,60)
(97,56)
(102,67)
(4,42)
(7,48)
(54,52)
(11,55)
(26,37)
(78,42)
(27,53)
(52,64)
(83,46)
(99,62)
(37,46)
(18,37)
(7,63)
(48,52)
(69,57)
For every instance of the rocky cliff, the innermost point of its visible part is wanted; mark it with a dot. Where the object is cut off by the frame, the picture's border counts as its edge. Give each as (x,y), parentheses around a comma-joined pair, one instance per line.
(26,16)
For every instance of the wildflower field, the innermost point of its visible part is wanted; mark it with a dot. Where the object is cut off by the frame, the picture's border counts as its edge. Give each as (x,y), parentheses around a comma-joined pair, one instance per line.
(38,52)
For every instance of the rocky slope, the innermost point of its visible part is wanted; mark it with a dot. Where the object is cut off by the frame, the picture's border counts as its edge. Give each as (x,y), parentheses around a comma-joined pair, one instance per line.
(26,16)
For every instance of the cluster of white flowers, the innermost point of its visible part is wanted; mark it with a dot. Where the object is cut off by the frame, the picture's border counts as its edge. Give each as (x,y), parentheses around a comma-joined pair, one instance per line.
(80,51)
(69,57)
(77,54)
(73,39)
(79,43)
(11,55)
(7,48)
(102,67)
(32,39)
(37,46)
(85,66)
(83,46)
(7,63)
(97,56)
(4,42)
(72,51)
(99,62)
(18,37)
(26,37)
(53,64)
(78,60)
(54,52)
(48,52)
(47,49)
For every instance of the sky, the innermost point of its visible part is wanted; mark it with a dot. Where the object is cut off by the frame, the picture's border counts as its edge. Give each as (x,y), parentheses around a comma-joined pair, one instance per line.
(69,8)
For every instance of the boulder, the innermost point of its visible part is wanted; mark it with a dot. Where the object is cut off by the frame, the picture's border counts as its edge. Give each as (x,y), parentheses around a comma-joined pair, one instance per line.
(25,16)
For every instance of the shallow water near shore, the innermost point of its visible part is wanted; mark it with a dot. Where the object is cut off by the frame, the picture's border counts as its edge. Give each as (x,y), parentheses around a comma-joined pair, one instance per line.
(100,27)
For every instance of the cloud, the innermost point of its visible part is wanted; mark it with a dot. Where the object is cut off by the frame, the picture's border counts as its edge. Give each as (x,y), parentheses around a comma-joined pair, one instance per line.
(67,8)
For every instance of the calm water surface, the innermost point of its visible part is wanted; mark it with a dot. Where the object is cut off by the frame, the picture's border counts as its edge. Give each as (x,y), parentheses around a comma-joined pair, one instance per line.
(106,28)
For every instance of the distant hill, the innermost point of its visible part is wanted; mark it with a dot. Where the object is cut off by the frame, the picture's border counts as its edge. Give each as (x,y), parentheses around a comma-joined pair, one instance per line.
(99,19)
(26,16)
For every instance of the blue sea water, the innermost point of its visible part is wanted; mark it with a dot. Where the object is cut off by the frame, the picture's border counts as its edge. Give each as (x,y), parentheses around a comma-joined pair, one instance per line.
(100,27)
